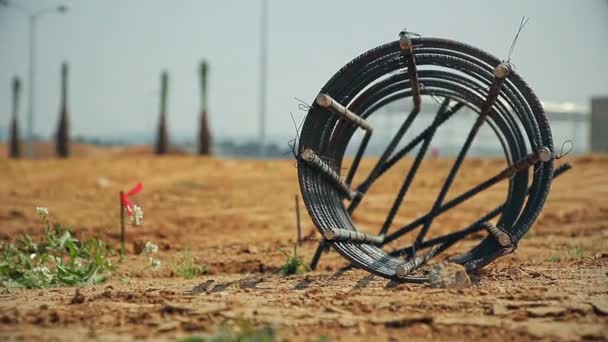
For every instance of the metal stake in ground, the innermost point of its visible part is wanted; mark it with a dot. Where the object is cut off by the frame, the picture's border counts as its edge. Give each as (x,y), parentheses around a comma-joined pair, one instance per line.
(122,226)
(299,226)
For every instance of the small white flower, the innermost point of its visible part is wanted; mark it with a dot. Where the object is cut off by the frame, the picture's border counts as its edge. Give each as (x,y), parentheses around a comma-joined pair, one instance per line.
(138,216)
(43,273)
(32,256)
(42,212)
(154,263)
(150,248)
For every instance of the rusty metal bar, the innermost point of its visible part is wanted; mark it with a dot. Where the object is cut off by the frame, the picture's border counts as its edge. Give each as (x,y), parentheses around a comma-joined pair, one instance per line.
(411,265)
(542,155)
(407,50)
(501,73)
(352,236)
(502,237)
(311,159)
(325,101)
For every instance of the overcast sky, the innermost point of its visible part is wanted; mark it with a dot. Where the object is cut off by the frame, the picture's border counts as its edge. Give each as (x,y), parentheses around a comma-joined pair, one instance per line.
(116,50)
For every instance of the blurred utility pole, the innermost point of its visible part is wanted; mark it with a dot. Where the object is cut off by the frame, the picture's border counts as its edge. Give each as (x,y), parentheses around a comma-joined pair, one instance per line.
(263,75)
(15,142)
(33,16)
(63,128)
(162,137)
(204,134)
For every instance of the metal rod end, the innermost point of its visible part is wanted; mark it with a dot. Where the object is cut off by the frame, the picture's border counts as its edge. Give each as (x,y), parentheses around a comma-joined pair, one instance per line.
(544,154)
(329,235)
(405,43)
(403,270)
(308,154)
(324,100)
(503,239)
(502,70)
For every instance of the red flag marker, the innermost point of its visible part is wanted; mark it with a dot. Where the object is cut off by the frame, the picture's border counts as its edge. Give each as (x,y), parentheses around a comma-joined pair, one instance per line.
(126,201)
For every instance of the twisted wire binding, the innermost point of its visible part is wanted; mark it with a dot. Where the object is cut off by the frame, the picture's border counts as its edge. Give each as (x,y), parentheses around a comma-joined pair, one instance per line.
(562,153)
(303,106)
(409,34)
(295,141)
(522,24)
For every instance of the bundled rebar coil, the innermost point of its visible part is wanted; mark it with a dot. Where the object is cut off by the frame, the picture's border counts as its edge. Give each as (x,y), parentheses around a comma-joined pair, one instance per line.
(461,75)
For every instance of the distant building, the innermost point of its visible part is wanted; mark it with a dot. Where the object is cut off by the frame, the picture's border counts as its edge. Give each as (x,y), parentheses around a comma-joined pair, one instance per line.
(599,124)
(569,122)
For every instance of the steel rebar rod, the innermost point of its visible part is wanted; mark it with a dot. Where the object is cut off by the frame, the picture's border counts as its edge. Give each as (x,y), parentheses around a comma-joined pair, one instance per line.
(413,170)
(311,159)
(506,173)
(475,227)
(500,74)
(406,47)
(325,101)
(500,235)
(427,131)
(348,235)
(358,156)
(411,265)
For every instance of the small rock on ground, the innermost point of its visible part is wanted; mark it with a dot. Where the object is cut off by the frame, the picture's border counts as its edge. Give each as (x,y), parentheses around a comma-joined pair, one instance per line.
(449,276)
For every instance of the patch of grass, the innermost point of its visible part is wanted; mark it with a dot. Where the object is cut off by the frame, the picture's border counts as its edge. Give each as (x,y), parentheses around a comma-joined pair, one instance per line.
(187,267)
(530,234)
(573,252)
(58,260)
(576,252)
(554,258)
(294,264)
(190,184)
(243,331)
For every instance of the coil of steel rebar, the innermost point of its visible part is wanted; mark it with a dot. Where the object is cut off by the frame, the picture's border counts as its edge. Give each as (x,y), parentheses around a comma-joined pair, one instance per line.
(448,69)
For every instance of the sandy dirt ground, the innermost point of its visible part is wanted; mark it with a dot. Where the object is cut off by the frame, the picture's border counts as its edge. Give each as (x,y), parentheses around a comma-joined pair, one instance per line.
(234,216)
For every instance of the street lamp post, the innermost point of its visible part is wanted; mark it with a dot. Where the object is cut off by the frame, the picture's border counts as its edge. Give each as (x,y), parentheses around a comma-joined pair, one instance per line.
(33,16)
(263,77)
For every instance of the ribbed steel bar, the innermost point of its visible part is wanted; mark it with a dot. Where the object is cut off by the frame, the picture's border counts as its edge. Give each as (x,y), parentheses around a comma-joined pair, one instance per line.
(347,235)
(411,265)
(311,159)
(500,235)
(508,172)
(413,170)
(406,47)
(473,228)
(500,74)
(358,156)
(423,135)
(317,256)
(325,101)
